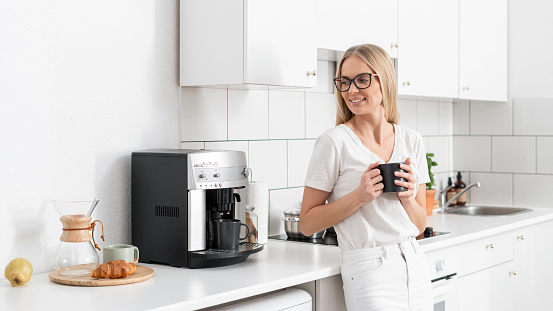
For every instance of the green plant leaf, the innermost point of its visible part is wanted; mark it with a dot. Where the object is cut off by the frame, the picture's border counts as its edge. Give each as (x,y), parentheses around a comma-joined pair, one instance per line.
(430,162)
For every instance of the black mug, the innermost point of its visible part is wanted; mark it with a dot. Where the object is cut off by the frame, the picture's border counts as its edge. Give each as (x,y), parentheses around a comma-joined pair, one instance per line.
(227,233)
(388,178)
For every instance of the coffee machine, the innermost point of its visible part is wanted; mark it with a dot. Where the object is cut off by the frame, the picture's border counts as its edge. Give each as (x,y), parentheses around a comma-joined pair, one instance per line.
(176,195)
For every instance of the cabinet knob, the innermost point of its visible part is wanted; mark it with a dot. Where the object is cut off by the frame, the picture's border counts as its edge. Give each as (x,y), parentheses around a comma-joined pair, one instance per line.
(512,273)
(466,88)
(406,83)
(394,45)
(489,246)
(313,73)
(520,237)
(308,73)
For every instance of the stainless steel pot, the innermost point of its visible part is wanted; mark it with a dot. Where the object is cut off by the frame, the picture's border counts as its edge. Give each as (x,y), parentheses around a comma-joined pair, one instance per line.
(291,220)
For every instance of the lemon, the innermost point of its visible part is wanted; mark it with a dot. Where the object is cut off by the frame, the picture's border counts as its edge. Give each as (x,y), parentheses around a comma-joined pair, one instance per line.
(18,271)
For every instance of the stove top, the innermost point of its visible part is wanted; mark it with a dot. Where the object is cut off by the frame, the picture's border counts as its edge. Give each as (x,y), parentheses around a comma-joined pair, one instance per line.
(332,241)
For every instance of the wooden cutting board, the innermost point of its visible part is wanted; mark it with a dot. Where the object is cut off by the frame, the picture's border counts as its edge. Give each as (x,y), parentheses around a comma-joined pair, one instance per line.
(142,273)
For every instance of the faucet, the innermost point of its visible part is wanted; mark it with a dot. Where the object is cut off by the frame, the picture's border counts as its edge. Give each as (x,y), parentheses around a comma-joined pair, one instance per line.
(444,204)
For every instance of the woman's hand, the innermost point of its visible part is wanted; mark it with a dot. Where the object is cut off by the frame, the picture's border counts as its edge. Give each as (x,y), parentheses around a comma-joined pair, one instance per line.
(371,184)
(409,184)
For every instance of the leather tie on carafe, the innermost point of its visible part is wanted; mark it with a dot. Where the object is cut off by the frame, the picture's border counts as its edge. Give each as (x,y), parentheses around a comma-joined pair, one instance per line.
(75,229)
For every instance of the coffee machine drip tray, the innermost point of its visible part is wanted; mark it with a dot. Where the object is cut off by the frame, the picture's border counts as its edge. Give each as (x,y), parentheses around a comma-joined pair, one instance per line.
(210,258)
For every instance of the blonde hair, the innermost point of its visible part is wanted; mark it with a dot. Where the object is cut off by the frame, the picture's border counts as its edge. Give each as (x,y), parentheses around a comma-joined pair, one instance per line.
(376,58)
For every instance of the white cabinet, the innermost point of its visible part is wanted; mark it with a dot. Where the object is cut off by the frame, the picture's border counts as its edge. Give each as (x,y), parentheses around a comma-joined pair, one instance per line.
(524,259)
(534,271)
(342,24)
(428,48)
(483,50)
(486,271)
(248,42)
(491,289)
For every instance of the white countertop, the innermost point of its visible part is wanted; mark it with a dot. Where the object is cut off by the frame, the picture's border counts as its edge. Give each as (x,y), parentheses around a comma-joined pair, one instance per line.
(465,228)
(280,264)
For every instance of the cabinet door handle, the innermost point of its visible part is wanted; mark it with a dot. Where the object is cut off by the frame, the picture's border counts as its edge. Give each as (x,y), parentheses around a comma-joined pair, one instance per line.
(406,83)
(313,73)
(308,73)
(512,273)
(489,246)
(520,237)
(466,88)
(394,45)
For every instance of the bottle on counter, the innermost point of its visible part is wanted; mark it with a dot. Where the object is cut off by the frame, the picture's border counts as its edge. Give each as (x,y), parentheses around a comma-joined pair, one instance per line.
(459,186)
(451,192)
(252,222)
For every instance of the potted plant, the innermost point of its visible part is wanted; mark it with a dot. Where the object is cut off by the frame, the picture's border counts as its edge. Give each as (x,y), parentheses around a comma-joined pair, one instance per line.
(430,191)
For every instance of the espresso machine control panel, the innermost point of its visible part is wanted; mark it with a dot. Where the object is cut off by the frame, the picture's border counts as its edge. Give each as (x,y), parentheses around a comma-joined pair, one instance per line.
(217,169)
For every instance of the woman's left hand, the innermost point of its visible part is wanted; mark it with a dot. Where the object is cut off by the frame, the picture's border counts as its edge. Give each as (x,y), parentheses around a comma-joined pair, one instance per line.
(409,184)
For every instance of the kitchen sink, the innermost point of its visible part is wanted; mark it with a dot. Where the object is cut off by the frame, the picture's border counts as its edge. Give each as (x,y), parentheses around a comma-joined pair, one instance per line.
(486,210)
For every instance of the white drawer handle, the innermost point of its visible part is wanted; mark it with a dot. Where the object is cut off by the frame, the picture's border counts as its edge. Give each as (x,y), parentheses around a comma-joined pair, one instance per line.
(520,237)
(512,273)
(489,246)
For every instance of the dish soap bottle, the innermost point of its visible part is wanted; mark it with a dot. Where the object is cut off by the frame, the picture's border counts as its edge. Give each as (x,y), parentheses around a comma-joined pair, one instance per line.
(451,192)
(459,186)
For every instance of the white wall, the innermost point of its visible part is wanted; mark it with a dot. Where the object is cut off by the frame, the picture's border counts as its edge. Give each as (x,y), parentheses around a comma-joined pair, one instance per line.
(508,147)
(277,129)
(82,85)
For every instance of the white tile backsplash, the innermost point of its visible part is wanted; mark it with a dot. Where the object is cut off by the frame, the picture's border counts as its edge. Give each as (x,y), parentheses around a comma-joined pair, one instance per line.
(268,161)
(248,115)
(532,116)
(533,190)
(446,116)
(320,113)
(203,114)
(491,118)
(428,116)
(495,189)
(545,155)
(407,112)
(472,153)
(514,154)
(461,117)
(440,147)
(299,154)
(286,115)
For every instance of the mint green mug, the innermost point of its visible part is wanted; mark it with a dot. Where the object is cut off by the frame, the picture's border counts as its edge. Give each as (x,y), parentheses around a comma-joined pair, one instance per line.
(126,252)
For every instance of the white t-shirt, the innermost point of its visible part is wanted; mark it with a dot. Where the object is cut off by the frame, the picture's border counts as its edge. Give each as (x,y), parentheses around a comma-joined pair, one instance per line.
(339,160)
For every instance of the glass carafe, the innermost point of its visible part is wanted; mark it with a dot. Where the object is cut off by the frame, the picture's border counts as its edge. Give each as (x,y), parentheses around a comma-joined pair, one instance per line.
(76,254)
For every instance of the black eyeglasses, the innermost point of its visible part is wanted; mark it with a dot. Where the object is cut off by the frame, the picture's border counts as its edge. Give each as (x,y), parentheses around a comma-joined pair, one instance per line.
(362,81)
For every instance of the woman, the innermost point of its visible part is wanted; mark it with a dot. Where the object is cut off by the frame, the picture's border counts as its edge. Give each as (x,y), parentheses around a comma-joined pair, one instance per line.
(382,265)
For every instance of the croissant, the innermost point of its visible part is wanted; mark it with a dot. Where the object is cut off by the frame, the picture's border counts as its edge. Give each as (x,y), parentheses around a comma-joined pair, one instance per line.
(113,270)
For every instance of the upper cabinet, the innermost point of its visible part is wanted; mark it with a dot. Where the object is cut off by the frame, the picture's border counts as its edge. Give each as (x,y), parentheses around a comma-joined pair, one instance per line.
(428,50)
(342,24)
(483,50)
(248,42)
(444,48)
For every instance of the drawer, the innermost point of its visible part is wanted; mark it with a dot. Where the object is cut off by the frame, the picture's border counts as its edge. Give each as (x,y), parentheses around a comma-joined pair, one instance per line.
(442,262)
(485,252)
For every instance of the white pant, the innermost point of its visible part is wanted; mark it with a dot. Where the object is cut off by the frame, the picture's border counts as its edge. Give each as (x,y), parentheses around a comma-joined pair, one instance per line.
(392,277)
